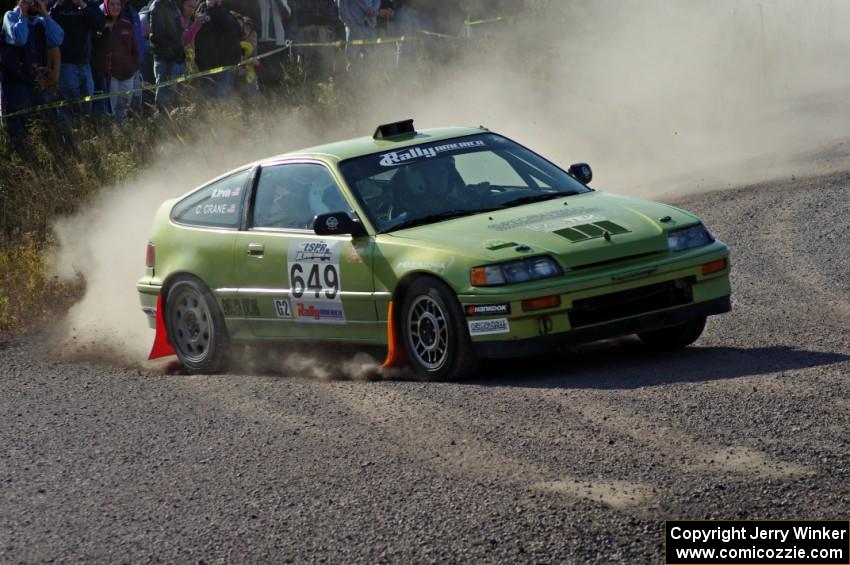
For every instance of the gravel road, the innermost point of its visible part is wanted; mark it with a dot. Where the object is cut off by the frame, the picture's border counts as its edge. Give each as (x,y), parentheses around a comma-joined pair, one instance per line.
(576,457)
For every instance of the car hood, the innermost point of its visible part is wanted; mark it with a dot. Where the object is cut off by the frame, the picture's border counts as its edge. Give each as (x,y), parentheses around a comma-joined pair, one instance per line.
(573,229)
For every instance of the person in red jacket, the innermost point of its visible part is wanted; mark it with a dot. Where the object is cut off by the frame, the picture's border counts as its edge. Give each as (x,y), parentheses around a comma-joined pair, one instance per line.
(123,58)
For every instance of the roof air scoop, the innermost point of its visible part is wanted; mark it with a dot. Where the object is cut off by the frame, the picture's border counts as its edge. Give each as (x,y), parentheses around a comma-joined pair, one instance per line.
(395,129)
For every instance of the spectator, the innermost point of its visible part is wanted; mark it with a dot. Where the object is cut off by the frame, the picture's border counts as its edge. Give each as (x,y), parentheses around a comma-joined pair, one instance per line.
(188,22)
(272,16)
(130,14)
(247,75)
(360,18)
(29,33)
(316,21)
(217,45)
(123,57)
(406,17)
(80,21)
(166,37)
(101,45)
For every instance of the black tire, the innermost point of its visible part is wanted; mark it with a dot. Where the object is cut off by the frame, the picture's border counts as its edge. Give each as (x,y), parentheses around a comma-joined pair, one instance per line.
(676,337)
(435,334)
(195,326)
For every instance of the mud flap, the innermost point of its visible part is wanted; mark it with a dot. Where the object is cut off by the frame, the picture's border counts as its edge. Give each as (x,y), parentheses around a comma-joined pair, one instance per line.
(396,353)
(161,345)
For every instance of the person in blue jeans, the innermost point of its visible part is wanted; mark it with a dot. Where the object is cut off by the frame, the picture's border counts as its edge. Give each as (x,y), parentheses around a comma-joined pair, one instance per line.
(166,37)
(81,20)
(28,33)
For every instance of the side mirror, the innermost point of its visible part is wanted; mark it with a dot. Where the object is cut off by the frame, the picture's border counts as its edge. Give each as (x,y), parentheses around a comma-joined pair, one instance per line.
(337,223)
(582,172)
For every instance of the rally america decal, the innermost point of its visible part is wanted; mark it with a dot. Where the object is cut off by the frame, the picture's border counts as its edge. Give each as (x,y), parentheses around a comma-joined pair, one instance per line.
(487,309)
(395,158)
(315,282)
(488,327)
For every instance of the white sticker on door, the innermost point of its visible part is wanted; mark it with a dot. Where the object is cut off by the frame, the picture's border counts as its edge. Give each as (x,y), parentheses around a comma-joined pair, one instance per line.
(315,281)
(282,308)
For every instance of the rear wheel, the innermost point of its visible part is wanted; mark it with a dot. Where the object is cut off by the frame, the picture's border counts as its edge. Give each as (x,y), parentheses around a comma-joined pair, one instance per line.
(435,333)
(675,337)
(195,326)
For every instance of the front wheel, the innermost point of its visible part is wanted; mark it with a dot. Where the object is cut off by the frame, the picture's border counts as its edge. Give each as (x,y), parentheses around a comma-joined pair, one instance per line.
(676,337)
(435,333)
(195,326)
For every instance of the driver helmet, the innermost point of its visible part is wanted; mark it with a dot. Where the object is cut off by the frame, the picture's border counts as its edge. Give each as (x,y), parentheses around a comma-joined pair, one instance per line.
(432,177)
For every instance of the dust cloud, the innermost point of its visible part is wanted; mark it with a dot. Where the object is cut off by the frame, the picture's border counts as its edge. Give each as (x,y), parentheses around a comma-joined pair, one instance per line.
(662,98)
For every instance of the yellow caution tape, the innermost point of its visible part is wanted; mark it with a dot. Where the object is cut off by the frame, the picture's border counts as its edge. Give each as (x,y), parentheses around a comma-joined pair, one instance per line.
(289,45)
(178,80)
(487,21)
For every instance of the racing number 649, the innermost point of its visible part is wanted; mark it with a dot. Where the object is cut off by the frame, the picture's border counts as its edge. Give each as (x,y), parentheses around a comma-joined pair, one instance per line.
(321,278)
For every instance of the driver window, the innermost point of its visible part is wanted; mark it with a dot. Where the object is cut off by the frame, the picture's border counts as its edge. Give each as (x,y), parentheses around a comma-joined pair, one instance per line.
(290,196)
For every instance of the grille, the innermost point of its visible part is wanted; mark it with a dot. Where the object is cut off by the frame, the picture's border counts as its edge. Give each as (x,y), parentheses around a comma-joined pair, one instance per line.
(633,302)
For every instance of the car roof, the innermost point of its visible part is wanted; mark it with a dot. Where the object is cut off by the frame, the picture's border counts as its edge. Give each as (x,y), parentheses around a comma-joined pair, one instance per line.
(341,150)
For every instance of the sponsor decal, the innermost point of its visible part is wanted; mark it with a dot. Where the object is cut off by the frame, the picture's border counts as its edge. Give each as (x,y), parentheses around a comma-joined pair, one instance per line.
(214,209)
(240,307)
(488,327)
(226,192)
(315,281)
(281,307)
(318,312)
(551,221)
(396,158)
(431,265)
(312,251)
(487,309)
(332,223)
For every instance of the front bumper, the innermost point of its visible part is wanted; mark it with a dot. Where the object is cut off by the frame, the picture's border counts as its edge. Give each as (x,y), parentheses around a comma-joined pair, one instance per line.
(646,322)
(615,299)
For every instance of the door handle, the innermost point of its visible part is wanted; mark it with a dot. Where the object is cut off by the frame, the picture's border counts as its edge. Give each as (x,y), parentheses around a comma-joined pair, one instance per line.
(256,248)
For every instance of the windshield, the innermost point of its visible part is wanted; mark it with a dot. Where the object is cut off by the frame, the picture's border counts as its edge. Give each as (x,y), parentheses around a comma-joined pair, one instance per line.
(457,177)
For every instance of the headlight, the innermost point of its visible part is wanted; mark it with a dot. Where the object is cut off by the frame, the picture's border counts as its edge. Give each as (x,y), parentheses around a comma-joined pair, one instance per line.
(532,269)
(694,236)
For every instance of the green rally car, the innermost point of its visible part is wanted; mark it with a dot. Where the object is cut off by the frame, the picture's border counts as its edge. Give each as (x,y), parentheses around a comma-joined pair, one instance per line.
(445,245)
